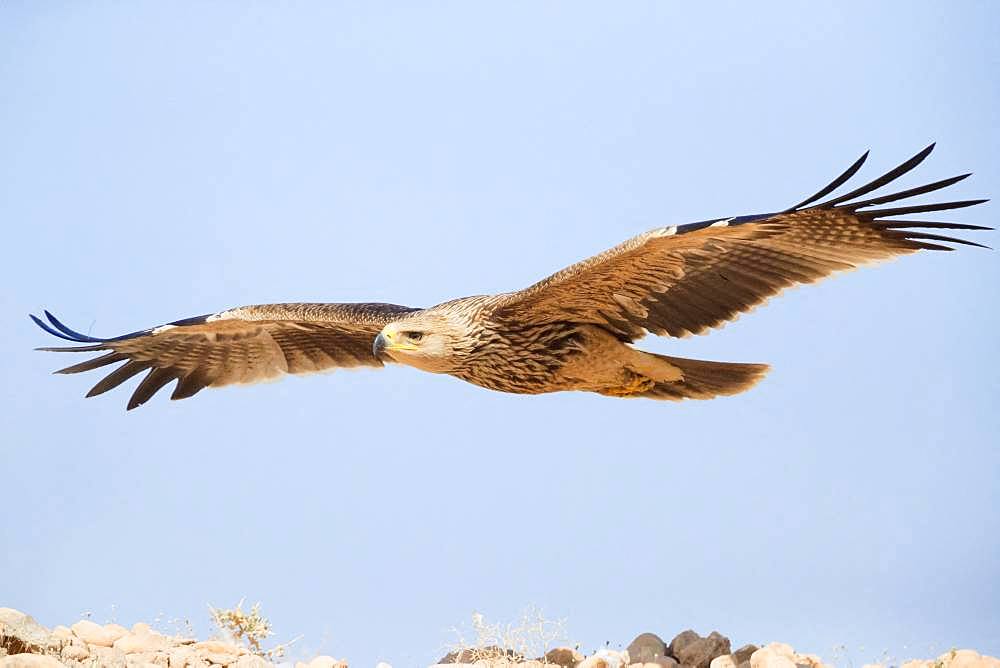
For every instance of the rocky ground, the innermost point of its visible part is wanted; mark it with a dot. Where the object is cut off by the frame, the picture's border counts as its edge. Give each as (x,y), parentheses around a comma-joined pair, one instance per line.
(24,643)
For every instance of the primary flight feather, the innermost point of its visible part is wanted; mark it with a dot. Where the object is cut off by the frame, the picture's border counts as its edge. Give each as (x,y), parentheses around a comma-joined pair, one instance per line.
(570,331)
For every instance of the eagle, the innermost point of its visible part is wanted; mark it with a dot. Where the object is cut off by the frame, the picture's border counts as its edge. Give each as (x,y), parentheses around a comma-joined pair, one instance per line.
(571,331)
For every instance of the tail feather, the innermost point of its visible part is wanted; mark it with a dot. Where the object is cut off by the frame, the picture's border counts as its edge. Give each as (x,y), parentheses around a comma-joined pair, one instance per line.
(705,380)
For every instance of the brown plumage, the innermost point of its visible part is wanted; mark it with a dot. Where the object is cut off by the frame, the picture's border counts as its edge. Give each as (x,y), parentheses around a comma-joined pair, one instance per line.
(570,331)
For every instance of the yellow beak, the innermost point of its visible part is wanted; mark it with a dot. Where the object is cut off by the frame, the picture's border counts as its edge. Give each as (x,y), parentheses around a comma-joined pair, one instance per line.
(387,340)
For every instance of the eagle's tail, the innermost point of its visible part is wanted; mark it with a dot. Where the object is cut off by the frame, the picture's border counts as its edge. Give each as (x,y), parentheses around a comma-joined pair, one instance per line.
(702,379)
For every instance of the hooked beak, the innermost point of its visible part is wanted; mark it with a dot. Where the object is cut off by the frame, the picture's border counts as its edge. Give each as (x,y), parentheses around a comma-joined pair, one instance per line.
(386,342)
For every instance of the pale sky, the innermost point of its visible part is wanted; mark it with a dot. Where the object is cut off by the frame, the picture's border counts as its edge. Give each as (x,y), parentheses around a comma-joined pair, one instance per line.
(164,160)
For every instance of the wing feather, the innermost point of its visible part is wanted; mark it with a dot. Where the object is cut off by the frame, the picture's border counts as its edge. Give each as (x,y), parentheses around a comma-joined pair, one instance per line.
(243,345)
(687,279)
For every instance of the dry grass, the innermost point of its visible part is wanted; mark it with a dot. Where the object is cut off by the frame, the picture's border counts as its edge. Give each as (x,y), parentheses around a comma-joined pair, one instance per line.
(498,644)
(249,628)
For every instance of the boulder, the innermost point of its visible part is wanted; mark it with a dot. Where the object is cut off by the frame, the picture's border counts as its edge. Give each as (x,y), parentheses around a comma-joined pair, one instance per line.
(95,634)
(565,657)
(693,651)
(29,661)
(20,634)
(647,647)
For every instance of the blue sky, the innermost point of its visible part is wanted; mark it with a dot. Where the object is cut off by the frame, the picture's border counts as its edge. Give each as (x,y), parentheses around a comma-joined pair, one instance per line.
(162,160)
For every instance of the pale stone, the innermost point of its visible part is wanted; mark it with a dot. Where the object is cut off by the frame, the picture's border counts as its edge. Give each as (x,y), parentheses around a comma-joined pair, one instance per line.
(94,634)
(63,633)
(963,658)
(253,661)
(724,661)
(20,633)
(29,661)
(917,663)
(565,657)
(75,650)
(135,643)
(605,658)
(116,630)
(184,657)
(775,655)
(322,661)
(105,656)
(145,659)
(220,647)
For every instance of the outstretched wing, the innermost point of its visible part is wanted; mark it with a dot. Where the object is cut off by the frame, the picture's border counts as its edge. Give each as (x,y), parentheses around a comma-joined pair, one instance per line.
(687,279)
(242,345)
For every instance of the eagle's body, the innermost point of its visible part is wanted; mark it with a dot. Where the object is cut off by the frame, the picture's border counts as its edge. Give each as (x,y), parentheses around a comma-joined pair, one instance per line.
(570,331)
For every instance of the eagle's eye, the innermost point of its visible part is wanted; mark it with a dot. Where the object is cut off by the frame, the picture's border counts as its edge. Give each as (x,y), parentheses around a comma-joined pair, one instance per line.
(414,336)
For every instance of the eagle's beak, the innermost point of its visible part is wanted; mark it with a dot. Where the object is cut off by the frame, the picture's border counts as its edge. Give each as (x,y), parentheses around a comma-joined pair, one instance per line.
(388,340)
(379,346)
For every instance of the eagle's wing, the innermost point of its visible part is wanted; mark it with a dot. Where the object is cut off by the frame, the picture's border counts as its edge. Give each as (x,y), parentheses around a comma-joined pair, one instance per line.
(686,279)
(242,345)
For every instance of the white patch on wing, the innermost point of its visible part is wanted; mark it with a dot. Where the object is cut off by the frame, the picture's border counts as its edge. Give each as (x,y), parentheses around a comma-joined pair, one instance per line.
(161,329)
(722,223)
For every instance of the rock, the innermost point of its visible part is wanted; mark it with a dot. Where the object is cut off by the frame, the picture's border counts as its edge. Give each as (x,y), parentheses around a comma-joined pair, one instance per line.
(605,658)
(693,651)
(662,662)
(144,641)
(680,641)
(646,648)
(146,659)
(117,630)
(94,634)
(20,633)
(219,647)
(254,661)
(323,662)
(63,634)
(774,655)
(105,656)
(966,658)
(185,657)
(724,661)
(29,661)
(566,657)
(75,650)
(743,654)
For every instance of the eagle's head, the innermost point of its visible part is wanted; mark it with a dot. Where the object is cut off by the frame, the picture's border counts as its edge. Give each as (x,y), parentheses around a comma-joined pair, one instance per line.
(428,340)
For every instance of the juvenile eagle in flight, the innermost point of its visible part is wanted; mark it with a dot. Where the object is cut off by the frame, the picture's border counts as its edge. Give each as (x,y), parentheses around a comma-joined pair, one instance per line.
(570,331)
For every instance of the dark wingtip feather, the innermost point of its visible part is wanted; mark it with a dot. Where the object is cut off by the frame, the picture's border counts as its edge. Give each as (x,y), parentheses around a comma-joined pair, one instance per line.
(77,336)
(833,185)
(49,330)
(888,177)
